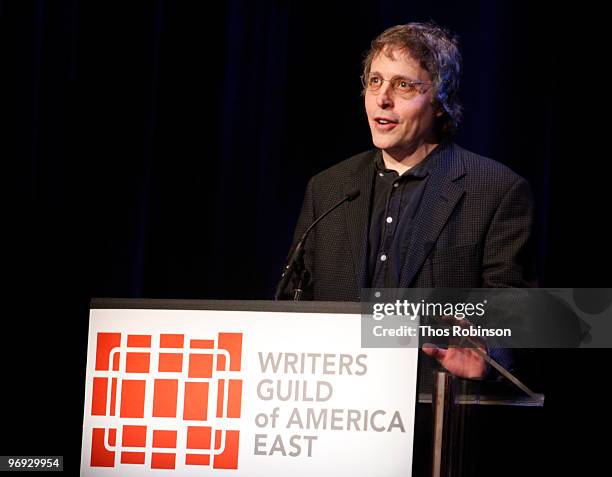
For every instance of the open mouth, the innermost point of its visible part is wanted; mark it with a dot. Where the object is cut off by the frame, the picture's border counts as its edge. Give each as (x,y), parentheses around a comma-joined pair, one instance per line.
(385,123)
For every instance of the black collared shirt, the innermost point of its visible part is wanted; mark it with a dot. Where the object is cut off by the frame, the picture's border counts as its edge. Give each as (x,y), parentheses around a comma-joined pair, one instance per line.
(395,203)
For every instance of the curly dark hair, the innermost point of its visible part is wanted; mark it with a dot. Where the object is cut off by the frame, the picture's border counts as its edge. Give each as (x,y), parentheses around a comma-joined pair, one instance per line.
(437,52)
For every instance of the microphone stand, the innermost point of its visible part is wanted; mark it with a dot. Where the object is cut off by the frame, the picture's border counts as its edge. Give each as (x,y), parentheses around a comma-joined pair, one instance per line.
(295,263)
(304,276)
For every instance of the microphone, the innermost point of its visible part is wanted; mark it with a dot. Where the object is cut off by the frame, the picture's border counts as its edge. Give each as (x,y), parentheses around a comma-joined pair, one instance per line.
(296,256)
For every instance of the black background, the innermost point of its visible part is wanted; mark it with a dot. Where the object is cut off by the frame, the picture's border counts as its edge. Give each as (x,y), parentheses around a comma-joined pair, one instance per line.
(160,149)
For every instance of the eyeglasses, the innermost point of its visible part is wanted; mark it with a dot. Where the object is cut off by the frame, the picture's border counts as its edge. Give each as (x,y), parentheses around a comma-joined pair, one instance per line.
(401,86)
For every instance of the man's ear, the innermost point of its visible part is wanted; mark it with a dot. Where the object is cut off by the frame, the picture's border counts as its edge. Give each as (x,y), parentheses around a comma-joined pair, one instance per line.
(439,110)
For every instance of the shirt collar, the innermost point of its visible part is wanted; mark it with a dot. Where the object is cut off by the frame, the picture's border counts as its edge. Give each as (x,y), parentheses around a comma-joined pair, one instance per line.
(420,170)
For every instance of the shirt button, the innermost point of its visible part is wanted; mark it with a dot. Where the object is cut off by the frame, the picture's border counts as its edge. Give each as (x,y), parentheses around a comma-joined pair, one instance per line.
(389,220)
(395,184)
(380,174)
(383,257)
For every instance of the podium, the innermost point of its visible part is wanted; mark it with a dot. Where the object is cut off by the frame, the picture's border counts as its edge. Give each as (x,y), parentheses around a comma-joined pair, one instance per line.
(450,399)
(262,388)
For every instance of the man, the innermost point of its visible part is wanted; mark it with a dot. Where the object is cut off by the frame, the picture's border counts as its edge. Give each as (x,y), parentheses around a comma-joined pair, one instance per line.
(429,213)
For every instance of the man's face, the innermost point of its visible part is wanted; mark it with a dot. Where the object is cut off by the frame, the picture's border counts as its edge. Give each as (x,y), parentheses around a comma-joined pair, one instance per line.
(400,124)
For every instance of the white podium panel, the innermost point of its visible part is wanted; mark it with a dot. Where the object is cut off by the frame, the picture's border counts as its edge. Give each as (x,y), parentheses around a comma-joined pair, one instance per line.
(180,392)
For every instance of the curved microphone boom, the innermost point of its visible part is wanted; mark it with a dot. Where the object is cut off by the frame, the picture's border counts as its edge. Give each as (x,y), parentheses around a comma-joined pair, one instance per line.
(295,260)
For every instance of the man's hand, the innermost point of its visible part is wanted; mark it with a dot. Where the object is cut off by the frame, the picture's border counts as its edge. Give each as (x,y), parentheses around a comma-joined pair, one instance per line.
(462,362)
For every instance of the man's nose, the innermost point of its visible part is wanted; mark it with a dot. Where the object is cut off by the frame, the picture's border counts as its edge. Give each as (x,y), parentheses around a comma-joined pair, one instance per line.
(385,96)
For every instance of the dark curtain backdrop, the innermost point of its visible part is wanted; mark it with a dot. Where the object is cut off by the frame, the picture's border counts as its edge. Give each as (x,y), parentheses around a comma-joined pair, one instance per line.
(161,148)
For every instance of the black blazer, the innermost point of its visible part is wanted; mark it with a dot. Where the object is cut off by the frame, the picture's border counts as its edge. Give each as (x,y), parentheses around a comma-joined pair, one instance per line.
(473,229)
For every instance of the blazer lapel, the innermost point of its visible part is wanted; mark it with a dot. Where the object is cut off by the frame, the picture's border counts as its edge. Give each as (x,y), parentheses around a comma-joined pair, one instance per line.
(439,199)
(358,213)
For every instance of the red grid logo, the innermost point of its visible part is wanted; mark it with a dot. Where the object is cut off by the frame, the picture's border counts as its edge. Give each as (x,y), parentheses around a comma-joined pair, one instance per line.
(167,400)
